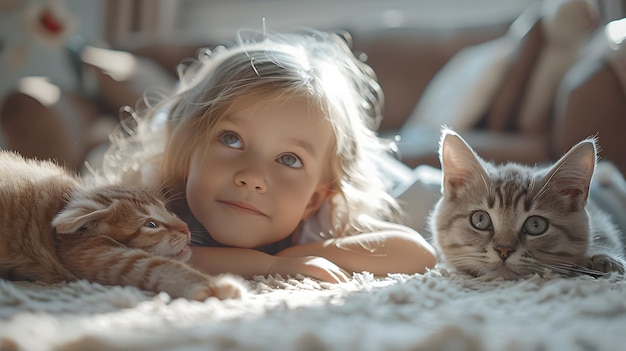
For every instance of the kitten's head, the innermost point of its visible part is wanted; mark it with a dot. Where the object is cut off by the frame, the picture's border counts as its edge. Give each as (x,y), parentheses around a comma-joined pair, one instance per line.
(512,220)
(131,217)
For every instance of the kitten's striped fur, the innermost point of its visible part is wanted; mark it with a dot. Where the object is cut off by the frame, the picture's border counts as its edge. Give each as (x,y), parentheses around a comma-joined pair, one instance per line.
(54,229)
(512,220)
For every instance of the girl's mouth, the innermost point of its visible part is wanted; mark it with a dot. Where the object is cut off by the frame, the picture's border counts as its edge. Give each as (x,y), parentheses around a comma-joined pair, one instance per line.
(243,207)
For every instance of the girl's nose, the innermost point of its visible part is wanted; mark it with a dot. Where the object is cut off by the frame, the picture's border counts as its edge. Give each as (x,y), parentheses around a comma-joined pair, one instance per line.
(251,179)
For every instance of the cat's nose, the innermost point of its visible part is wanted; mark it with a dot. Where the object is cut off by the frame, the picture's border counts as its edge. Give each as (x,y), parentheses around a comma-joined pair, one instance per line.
(184,228)
(504,251)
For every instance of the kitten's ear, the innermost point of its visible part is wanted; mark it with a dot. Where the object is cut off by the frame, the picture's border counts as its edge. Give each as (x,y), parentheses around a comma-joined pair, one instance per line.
(71,220)
(571,175)
(460,164)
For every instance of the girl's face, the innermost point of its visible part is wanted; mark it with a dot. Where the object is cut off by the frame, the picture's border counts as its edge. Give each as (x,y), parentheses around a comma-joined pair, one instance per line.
(262,171)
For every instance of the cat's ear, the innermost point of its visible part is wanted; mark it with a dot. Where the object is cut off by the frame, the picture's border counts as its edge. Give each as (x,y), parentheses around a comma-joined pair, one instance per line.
(571,174)
(71,220)
(460,164)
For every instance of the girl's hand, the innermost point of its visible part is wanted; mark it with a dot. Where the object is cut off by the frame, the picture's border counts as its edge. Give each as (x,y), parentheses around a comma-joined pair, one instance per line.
(311,266)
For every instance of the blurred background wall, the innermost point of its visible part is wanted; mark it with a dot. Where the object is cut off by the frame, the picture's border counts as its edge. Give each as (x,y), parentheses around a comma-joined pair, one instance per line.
(407,42)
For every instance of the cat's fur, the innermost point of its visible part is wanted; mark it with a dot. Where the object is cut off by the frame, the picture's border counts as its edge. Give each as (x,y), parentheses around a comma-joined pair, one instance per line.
(509,221)
(53,228)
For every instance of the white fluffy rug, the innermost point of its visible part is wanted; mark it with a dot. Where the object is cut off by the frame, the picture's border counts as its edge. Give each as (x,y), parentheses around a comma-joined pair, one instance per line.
(435,311)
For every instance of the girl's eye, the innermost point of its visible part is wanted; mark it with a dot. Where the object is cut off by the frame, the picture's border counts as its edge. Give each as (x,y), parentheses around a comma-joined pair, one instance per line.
(290,160)
(480,220)
(151,224)
(535,225)
(231,140)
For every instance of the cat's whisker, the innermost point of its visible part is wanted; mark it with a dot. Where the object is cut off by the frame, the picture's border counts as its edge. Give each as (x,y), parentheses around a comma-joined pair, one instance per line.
(578,270)
(172,197)
(468,263)
(561,270)
(170,194)
(540,268)
(198,238)
(562,266)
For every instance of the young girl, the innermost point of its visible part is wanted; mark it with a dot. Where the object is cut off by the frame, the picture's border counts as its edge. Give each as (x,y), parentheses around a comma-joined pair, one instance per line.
(267,150)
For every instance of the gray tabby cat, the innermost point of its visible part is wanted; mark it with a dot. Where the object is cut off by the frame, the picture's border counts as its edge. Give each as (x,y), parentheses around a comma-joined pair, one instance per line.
(509,221)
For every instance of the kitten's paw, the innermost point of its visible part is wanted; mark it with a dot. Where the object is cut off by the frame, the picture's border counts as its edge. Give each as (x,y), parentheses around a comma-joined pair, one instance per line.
(198,292)
(605,263)
(227,286)
(223,287)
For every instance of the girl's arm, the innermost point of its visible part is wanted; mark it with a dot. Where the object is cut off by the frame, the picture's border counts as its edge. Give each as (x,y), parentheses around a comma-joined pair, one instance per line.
(392,249)
(248,263)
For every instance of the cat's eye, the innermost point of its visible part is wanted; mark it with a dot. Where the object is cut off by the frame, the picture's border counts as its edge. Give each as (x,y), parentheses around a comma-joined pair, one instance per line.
(151,224)
(88,225)
(535,225)
(481,220)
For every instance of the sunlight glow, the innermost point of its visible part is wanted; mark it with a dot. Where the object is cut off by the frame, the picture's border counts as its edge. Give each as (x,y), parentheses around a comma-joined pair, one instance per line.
(118,64)
(40,89)
(616,31)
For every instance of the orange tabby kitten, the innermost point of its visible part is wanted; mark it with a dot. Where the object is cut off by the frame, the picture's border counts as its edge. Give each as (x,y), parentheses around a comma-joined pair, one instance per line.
(54,229)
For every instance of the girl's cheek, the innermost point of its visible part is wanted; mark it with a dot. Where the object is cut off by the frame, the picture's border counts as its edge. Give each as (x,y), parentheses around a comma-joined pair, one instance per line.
(290,177)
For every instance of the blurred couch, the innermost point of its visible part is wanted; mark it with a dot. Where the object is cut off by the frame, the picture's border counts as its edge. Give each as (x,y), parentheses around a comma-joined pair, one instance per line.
(556,77)
(78,122)
(476,80)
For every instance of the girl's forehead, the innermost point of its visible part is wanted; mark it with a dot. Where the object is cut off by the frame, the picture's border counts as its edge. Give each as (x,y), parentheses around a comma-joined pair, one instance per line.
(274,97)
(297,111)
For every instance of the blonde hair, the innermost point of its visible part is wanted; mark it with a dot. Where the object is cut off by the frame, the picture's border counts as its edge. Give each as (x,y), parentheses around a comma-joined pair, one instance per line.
(318,64)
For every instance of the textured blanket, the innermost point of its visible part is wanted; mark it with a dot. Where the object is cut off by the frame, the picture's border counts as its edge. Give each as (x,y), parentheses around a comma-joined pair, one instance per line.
(436,311)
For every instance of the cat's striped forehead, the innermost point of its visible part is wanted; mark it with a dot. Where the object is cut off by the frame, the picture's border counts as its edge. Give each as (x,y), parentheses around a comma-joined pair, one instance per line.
(510,185)
(104,196)
(107,195)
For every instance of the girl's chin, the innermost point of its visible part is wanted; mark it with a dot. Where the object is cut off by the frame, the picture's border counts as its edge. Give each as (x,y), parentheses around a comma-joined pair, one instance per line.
(245,243)
(231,240)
